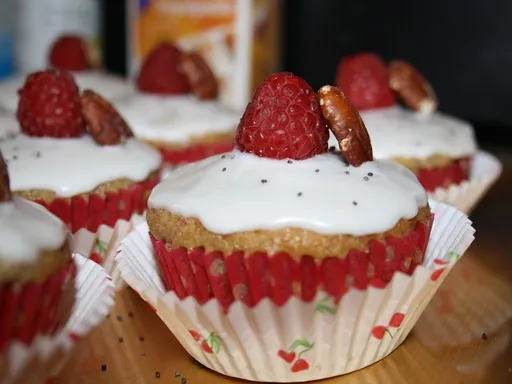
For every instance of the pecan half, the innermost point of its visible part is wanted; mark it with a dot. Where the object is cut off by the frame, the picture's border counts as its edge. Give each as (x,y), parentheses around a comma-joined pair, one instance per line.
(347,126)
(412,87)
(5,189)
(104,123)
(201,78)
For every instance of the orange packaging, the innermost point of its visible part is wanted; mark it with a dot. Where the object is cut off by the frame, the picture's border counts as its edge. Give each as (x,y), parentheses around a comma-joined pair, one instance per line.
(239,38)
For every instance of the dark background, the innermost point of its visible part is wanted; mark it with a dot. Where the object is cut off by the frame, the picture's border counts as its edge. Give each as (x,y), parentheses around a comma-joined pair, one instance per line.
(463,47)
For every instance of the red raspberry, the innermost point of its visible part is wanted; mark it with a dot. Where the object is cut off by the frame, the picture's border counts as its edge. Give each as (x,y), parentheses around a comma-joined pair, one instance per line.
(69,53)
(49,105)
(364,79)
(159,73)
(283,121)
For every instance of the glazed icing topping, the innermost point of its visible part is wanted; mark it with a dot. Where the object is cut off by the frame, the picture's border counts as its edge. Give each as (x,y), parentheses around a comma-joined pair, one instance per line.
(176,118)
(109,86)
(27,229)
(398,132)
(74,166)
(240,192)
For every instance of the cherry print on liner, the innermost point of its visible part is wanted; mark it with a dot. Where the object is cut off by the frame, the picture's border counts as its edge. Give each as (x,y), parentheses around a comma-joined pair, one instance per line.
(211,344)
(380,331)
(291,357)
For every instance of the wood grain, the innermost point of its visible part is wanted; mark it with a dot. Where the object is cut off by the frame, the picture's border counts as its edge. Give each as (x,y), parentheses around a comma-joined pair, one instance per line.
(468,341)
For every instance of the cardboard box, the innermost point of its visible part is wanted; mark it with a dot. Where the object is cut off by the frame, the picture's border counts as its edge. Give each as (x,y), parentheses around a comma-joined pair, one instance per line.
(240,39)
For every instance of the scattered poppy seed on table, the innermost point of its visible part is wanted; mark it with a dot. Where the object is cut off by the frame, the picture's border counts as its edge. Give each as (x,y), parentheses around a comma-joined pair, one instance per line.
(157,374)
(143,353)
(119,317)
(104,367)
(484,336)
(177,374)
(130,314)
(183,380)
(141,338)
(121,340)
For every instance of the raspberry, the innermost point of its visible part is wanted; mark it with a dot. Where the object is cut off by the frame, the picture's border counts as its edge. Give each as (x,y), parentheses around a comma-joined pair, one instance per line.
(160,72)
(69,53)
(49,105)
(364,79)
(283,121)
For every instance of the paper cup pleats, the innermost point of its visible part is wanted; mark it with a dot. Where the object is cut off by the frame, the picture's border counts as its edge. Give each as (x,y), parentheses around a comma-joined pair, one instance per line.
(485,170)
(299,340)
(32,363)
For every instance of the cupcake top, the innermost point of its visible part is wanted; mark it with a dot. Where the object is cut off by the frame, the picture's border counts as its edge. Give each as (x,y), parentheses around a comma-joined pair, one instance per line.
(176,118)
(420,135)
(26,229)
(281,174)
(113,88)
(176,98)
(71,142)
(374,88)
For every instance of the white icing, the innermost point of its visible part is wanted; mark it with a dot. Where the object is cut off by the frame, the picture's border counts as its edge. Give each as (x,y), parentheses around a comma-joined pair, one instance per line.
(396,132)
(9,126)
(73,166)
(227,194)
(109,86)
(176,118)
(27,229)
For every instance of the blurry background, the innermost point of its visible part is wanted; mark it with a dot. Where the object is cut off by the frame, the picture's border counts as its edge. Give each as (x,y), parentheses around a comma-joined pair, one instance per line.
(462,46)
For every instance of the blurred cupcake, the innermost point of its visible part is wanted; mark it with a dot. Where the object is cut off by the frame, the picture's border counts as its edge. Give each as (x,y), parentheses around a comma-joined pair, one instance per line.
(77,157)
(325,254)
(37,272)
(176,107)
(438,148)
(71,53)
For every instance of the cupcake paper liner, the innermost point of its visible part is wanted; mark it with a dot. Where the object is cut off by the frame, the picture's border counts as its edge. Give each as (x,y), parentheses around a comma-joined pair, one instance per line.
(299,341)
(99,223)
(251,278)
(101,246)
(80,213)
(484,171)
(454,173)
(32,364)
(31,310)
(194,152)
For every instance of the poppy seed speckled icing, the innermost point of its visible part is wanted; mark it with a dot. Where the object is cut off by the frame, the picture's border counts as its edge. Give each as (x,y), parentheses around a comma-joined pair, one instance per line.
(227,194)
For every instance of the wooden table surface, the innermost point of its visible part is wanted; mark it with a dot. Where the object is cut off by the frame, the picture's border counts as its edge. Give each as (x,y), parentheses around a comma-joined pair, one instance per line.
(464,336)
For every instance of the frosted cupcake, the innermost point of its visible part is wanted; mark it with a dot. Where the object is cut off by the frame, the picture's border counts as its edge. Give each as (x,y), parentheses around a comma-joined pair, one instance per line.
(77,157)
(279,199)
(71,53)
(36,270)
(282,262)
(176,108)
(438,148)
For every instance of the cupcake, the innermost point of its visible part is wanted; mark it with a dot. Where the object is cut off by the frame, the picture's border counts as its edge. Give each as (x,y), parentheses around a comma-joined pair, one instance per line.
(37,272)
(176,109)
(283,262)
(437,147)
(77,157)
(71,53)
